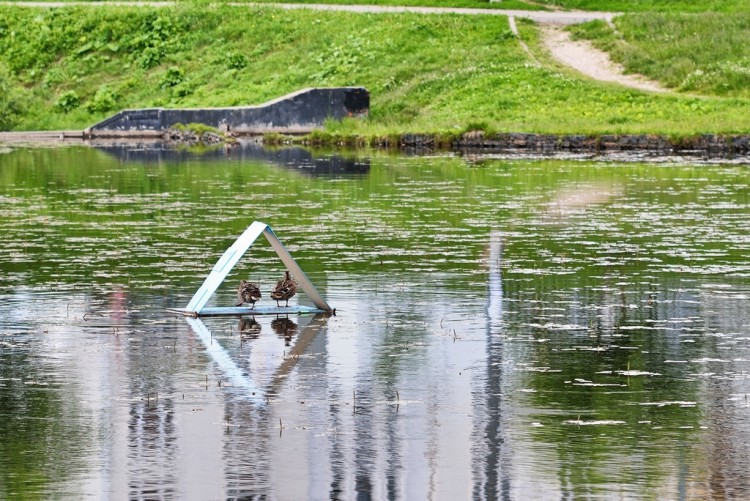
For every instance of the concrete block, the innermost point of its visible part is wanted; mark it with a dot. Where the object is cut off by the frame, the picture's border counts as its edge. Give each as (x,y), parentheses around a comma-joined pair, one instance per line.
(299,112)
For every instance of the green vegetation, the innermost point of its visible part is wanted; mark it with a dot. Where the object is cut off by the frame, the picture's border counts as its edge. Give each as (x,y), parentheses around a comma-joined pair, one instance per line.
(11,100)
(593,5)
(704,53)
(470,4)
(675,6)
(71,67)
(197,129)
(726,6)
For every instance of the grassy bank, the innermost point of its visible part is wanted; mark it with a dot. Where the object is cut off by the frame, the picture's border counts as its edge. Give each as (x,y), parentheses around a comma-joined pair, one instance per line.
(672,6)
(68,68)
(469,4)
(699,53)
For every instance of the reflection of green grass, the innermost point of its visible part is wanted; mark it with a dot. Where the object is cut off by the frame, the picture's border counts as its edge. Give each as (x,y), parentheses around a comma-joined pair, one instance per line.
(40,446)
(436,73)
(590,450)
(199,206)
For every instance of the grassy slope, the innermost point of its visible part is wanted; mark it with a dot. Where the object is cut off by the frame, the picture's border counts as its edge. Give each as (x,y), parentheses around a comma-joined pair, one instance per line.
(674,6)
(601,5)
(474,4)
(699,53)
(425,73)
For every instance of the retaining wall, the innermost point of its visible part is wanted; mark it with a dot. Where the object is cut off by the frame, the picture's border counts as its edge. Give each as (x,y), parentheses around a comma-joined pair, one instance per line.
(299,112)
(707,144)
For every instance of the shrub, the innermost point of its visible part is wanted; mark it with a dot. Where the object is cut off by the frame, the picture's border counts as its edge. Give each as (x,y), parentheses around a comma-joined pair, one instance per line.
(236,61)
(173,77)
(11,101)
(156,37)
(67,102)
(182,90)
(104,100)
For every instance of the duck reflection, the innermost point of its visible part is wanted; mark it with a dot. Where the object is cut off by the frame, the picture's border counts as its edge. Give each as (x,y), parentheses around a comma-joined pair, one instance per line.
(249,328)
(286,328)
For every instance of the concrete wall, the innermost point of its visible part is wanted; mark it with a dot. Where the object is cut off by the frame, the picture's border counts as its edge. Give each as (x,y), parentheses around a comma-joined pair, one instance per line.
(301,111)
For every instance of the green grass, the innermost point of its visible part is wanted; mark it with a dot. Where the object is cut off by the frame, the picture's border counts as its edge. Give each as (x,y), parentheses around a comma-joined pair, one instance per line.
(693,53)
(71,67)
(674,6)
(471,4)
(726,6)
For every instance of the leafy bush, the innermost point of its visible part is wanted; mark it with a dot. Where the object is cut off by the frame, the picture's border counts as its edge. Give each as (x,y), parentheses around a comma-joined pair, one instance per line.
(104,100)
(12,100)
(67,102)
(173,77)
(182,90)
(156,36)
(236,61)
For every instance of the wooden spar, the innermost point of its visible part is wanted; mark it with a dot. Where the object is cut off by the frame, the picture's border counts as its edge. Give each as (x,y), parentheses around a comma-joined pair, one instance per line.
(231,257)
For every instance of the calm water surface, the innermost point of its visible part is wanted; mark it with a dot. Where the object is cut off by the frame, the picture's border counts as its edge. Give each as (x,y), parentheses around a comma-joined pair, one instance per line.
(505,329)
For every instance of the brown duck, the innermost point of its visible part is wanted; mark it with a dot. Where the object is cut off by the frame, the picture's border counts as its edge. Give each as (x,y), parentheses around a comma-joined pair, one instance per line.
(248,292)
(284,289)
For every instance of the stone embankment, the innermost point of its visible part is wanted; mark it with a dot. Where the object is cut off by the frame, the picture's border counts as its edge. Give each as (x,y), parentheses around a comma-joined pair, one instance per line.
(710,144)
(720,146)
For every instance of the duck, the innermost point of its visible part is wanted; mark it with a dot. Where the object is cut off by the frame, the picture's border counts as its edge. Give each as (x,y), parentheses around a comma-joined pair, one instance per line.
(248,292)
(284,289)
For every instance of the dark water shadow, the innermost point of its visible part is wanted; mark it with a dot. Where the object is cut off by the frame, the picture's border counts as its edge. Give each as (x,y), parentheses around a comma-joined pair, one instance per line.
(293,158)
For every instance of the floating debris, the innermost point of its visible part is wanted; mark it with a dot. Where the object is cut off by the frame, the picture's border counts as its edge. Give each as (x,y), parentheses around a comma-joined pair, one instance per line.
(559,327)
(599,422)
(630,373)
(664,404)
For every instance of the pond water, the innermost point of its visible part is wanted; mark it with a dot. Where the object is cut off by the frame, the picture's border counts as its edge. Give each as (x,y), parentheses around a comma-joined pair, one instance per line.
(506,328)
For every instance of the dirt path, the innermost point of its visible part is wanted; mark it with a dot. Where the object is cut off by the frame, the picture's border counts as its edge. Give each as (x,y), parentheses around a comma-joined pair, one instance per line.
(586,59)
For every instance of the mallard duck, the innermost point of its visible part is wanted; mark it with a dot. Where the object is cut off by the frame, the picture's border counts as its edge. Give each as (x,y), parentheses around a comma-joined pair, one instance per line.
(284,289)
(248,292)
